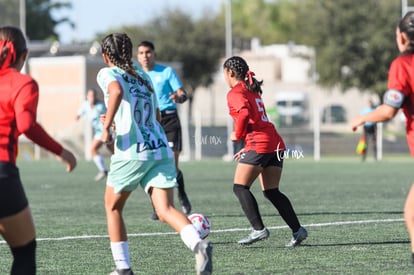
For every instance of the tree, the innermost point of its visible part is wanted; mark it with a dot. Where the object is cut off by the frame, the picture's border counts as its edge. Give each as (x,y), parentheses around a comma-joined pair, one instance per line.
(39,22)
(270,21)
(197,45)
(354,40)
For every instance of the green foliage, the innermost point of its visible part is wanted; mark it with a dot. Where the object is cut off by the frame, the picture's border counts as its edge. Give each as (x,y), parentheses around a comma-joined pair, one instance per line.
(354,40)
(198,45)
(270,21)
(39,22)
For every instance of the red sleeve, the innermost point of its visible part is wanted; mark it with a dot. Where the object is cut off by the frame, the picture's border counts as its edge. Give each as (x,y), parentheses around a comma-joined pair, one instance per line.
(25,106)
(39,136)
(240,124)
(398,78)
(239,111)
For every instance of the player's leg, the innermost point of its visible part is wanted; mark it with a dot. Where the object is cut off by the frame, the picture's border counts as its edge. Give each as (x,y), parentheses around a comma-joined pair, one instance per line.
(182,195)
(244,177)
(160,184)
(19,233)
(16,223)
(269,180)
(98,159)
(374,141)
(409,218)
(366,137)
(114,204)
(162,200)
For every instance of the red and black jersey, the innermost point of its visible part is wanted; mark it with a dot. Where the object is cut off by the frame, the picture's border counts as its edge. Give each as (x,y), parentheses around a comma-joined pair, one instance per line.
(401,78)
(251,122)
(19,95)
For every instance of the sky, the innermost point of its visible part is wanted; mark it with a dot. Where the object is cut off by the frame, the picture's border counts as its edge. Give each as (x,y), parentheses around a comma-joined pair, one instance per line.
(94,16)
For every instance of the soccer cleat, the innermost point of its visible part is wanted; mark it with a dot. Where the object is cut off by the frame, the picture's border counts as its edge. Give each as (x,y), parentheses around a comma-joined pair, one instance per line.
(297,237)
(255,236)
(185,203)
(154,217)
(204,259)
(122,272)
(101,175)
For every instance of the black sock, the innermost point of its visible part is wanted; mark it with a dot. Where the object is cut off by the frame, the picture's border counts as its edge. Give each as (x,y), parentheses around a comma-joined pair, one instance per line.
(283,205)
(24,259)
(180,181)
(249,205)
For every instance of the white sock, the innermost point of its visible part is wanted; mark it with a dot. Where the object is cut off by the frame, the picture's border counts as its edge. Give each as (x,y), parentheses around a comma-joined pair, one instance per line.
(120,253)
(99,162)
(190,236)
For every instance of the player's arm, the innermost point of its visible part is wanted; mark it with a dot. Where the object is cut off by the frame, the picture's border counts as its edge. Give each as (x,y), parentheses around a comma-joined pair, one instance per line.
(393,101)
(114,100)
(240,125)
(179,96)
(158,114)
(25,106)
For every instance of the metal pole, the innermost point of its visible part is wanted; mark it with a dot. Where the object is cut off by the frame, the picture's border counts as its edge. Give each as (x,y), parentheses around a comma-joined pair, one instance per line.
(229,52)
(404,5)
(316,114)
(22,13)
(22,23)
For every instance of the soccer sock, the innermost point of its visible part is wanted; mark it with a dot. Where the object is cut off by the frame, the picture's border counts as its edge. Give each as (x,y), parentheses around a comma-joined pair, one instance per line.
(120,253)
(283,205)
(24,259)
(190,236)
(99,162)
(249,205)
(180,181)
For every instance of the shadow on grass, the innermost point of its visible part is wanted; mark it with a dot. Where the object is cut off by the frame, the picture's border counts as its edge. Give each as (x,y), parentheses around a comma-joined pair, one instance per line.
(318,213)
(356,243)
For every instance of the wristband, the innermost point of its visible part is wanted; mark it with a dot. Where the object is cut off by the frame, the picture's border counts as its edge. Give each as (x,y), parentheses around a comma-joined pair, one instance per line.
(182,98)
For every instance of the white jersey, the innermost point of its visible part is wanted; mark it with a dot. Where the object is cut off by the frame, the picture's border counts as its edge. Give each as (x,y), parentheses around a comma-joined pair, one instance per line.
(138,133)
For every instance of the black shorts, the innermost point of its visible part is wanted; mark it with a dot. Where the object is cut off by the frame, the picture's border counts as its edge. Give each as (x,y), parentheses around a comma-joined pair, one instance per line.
(263,160)
(172,127)
(370,131)
(12,196)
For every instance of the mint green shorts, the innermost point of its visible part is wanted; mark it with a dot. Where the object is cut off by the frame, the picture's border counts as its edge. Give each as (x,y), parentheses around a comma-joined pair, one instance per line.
(125,175)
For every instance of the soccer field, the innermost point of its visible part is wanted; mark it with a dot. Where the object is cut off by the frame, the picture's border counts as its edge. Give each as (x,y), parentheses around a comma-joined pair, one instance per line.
(352,210)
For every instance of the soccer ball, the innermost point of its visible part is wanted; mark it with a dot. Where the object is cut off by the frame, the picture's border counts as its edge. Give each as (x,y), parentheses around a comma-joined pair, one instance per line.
(201,224)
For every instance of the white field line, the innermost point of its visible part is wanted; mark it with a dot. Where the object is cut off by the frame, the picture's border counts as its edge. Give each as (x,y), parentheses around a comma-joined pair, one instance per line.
(219,230)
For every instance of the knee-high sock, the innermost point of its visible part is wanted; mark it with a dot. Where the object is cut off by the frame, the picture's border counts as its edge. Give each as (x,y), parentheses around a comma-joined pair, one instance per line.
(180,181)
(120,253)
(285,208)
(249,205)
(24,259)
(190,236)
(99,162)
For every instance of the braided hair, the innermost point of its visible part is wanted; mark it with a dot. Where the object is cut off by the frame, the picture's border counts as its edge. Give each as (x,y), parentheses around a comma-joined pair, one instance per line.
(118,48)
(406,25)
(12,46)
(241,70)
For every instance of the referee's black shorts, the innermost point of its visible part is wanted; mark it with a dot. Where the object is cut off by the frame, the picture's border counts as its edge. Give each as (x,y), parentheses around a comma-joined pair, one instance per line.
(12,196)
(172,127)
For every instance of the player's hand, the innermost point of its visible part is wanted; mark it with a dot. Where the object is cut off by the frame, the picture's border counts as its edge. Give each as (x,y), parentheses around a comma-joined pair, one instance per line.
(106,137)
(178,98)
(174,97)
(68,159)
(102,118)
(237,156)
(358,121)
(233,136)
